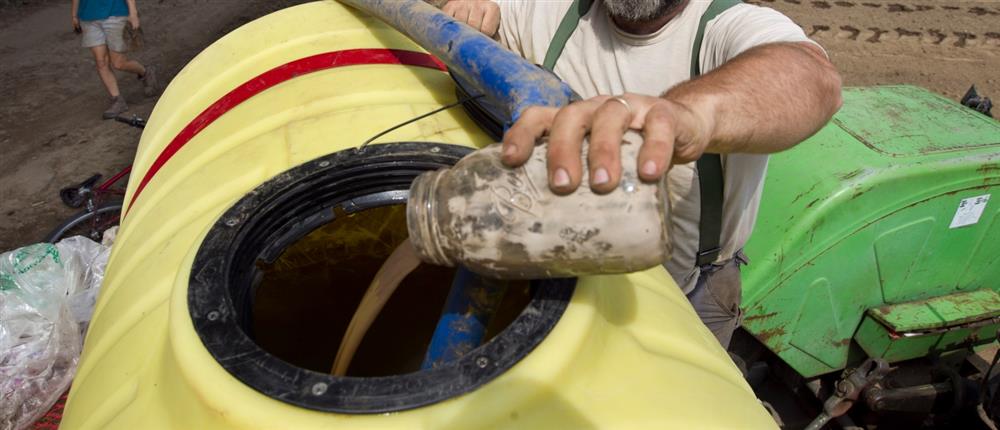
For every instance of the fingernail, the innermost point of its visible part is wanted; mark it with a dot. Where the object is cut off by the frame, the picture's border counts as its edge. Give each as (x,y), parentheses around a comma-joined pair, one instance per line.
(649,168)
(560,178)
(509,150)
(600,176)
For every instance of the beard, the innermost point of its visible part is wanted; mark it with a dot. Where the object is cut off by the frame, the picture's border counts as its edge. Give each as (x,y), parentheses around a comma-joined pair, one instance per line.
(639,10)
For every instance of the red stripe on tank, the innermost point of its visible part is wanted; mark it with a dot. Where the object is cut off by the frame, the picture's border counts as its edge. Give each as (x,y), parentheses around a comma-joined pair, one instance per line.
(275,76)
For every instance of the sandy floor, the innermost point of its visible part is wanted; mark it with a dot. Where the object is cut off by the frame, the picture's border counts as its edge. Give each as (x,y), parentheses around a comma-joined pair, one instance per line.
(943,45)
(51,135)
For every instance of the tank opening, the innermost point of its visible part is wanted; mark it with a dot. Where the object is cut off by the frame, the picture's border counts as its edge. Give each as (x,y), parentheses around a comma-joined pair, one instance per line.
(306,298)
(278,277)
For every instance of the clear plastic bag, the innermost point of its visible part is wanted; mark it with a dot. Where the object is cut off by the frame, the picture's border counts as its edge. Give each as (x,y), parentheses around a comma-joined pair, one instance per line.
(47,296)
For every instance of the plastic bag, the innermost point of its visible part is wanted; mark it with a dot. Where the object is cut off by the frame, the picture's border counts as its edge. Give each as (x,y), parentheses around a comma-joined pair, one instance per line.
(47,296)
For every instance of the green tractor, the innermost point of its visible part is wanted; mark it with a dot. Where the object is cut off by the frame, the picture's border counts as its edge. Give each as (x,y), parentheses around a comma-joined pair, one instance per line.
(876,264)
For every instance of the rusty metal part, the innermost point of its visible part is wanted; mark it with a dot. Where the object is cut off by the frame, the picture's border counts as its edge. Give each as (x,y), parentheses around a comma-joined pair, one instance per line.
(922,389)
(848,390)
(918,398)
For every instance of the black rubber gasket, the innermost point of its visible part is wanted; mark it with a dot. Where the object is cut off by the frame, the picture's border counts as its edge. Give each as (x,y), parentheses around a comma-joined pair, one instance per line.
(286,208)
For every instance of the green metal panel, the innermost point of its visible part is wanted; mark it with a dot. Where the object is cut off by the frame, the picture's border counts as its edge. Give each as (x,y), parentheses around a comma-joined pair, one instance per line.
(877,341)
(939,312)
(914,329)
(911,123)
(859,216)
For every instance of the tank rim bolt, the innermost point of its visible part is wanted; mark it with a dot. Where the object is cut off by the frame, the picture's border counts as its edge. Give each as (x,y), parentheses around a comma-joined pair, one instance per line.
(482,362)
(212,316)
(232,222)
(435,149)
(319,388)
(324,163)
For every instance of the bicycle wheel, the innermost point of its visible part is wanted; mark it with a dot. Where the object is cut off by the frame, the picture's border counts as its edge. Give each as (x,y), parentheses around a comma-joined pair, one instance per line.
(90,224)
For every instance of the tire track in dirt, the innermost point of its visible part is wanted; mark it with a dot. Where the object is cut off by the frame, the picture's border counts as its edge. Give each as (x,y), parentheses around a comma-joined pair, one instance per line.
(978,10)
(931,36)
(960,25)
(942,45)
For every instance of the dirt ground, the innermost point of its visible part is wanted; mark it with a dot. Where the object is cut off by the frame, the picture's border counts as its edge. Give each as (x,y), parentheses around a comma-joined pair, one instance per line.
(942,45)
(51,134)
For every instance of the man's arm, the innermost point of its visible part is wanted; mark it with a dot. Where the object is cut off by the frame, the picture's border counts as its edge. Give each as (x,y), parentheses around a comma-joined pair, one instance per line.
(74,15)
(764,100)
(133,14)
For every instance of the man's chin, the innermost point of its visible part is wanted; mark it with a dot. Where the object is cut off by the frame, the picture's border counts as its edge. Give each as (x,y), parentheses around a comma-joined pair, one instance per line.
(639,11)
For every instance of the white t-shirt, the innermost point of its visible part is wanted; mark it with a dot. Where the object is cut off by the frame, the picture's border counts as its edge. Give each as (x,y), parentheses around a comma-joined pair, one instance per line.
(602,59)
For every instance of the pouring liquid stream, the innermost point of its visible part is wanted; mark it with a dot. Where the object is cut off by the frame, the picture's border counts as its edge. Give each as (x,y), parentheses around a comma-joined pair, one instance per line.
(400,263)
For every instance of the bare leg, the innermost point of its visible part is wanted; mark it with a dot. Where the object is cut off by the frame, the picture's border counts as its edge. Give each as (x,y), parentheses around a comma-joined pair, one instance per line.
(120,62)
(104,69)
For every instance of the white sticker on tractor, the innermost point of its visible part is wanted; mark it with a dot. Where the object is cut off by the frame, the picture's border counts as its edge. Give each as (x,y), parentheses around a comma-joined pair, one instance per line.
(969,211)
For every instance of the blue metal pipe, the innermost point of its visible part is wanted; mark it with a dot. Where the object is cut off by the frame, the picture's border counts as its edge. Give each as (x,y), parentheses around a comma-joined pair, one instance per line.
(498,73)
(511,81)
(471,304)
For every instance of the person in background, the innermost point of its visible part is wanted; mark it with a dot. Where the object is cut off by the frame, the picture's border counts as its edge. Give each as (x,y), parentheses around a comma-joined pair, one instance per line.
(102,23)
(763,87)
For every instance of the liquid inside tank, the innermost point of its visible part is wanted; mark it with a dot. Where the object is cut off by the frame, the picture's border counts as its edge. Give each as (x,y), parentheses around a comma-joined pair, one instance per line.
(306,298)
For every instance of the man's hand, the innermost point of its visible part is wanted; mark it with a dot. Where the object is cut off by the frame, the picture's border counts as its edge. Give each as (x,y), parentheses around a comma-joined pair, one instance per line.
(76,25)
(672,132)
(133,20)
(482,15)
(765,100)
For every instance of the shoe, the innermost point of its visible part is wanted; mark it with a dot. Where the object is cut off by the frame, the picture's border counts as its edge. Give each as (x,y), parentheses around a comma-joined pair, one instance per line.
(118,106)
(149,83)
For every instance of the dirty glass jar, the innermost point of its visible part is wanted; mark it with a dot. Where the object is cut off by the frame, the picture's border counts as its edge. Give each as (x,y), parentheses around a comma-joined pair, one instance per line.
(506,223)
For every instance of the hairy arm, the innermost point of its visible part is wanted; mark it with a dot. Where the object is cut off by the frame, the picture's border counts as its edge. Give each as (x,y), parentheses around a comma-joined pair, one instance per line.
(764,100)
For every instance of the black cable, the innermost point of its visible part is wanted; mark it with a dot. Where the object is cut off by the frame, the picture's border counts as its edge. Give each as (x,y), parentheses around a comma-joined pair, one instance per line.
(418,118)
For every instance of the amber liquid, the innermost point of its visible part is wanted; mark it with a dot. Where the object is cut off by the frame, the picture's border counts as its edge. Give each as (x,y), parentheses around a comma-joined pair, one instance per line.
(400,263)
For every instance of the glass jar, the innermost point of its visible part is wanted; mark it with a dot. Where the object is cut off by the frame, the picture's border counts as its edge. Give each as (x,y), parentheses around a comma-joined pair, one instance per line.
(507,223)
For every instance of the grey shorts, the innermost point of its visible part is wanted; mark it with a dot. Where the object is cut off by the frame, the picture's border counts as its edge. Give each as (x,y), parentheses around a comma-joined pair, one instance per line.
(108,31)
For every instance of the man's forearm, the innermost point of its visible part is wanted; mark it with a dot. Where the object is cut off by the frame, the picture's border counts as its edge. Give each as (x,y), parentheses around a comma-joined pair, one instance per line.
(765,100)
(132,10)
(76,8)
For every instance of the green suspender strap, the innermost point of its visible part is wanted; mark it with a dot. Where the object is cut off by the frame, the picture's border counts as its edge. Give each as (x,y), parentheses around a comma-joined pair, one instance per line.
(566,28)
(710,177)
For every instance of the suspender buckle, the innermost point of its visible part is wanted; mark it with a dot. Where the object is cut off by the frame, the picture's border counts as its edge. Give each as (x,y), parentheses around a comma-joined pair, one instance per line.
(706,257)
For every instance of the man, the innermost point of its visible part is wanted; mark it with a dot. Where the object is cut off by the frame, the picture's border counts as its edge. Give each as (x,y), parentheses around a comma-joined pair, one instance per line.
(102,23)
(764,88)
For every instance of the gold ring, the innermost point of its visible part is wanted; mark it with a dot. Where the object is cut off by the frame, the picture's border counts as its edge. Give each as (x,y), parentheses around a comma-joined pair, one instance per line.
(624,102)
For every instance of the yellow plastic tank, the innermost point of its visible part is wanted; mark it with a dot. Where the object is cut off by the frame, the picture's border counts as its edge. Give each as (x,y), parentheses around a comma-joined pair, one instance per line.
(254,223)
